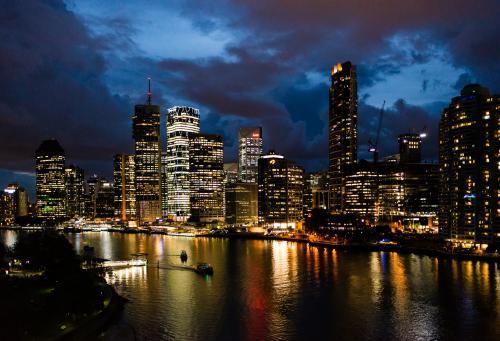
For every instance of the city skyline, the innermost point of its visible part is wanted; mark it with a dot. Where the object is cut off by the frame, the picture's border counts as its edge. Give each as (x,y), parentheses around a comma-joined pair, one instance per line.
(109,79)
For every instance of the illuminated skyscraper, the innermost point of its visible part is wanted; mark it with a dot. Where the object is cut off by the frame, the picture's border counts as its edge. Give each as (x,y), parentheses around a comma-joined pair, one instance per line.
(124,187)
(50,184)
(75,191)
(146,132)
(250,150)
(469,159)
(343,129)
(206,167)
(281,191)
(182,123)
(164,184)
(7,208)
(410,148)
(19,198)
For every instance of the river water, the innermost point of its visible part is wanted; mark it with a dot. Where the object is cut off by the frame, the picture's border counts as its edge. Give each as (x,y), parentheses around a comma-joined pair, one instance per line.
(277,290)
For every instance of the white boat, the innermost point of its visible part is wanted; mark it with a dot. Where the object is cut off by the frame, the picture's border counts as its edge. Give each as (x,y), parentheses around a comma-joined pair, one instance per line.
(124,263)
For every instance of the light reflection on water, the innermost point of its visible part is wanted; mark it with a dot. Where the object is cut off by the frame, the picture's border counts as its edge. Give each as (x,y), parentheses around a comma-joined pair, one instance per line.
(278,290)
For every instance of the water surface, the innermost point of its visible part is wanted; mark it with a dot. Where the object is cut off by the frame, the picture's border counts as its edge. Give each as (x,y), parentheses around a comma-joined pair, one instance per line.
(277,290)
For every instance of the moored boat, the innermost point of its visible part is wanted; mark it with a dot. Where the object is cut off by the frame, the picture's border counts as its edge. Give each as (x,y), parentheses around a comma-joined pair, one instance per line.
(204,269)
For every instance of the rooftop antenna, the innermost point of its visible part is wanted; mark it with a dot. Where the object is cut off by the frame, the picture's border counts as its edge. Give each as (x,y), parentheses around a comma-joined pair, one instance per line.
(149,91)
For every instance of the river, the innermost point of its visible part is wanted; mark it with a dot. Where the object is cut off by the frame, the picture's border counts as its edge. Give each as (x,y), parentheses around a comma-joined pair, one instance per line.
(278,290)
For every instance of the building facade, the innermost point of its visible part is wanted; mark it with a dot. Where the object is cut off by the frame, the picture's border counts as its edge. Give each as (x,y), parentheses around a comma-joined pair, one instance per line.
(403,196)
(146,133)
(75,191)
(206,178)
(343,129)
(182,123)
(250,150)
(469,159)
(316,193)
(124,187)
(241,204)
(164,183)
(410,148)
(19,197)
(281,192)
(50,181)
(105,201)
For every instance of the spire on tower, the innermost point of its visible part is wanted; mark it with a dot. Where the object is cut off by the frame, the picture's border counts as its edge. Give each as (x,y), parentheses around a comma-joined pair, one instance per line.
(149,91)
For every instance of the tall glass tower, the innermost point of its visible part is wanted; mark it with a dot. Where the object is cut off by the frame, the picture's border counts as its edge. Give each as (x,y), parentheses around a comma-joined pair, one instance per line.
(146,132)
(343,129)
(50,184)
(469,162)
(124,186)
(182,123)
(206,165)
(250,150)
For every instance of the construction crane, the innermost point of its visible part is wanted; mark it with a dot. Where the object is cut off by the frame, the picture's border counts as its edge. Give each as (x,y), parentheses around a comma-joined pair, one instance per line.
(373,147)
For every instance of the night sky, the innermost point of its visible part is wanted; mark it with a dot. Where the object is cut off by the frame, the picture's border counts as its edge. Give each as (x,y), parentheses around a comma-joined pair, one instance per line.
(73,70)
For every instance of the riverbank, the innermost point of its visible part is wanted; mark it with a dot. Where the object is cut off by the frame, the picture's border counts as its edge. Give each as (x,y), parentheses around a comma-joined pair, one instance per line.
(47,294)
(96,324)
(370,247)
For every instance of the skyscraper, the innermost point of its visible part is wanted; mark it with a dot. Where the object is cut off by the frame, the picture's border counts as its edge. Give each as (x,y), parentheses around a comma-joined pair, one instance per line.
(164,183)
(75,191)
(250,150)
(469,160)
(105,201)
(182,123)
(241,203)
(206,167)
(281,191)
(343,129)
(146,132)
(124,186)
(19,198)
(410,148)
(50,185)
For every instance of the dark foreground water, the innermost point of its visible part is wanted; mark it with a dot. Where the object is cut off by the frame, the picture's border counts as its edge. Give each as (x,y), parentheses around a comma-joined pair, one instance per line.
(274,290)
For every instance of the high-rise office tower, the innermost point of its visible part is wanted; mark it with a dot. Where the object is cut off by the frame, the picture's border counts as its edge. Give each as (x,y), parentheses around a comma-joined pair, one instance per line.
(281,191)
(469,159)
(7,208)
(105,200)
(20,199)
(182,123)
(50,186)
(241,203)
(75,191)
(146,132)
(124,186)
(250,150)
(91,188)
(410,148)
(164,183)
(206,167)
(343,129)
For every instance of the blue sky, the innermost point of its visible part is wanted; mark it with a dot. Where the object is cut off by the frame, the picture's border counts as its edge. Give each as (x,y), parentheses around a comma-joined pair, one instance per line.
(73,70)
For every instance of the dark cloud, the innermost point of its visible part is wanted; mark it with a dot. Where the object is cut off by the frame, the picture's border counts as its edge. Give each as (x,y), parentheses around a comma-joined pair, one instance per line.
(56,69)
(51,85)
